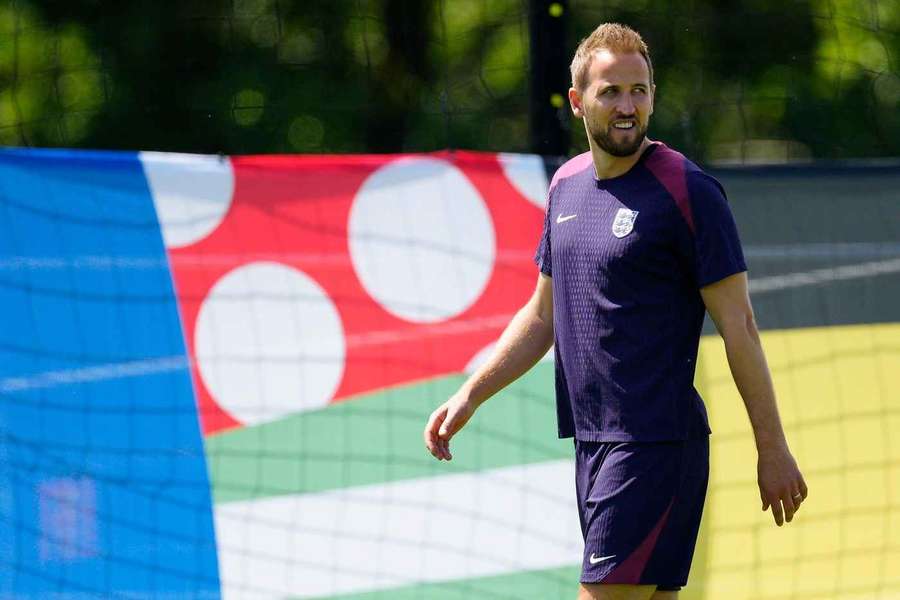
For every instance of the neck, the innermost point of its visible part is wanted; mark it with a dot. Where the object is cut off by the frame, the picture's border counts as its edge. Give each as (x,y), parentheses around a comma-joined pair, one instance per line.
(608,166)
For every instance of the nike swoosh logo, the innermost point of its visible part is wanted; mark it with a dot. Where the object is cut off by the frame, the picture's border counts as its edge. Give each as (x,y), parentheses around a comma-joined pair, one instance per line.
(595,559)
(562,219)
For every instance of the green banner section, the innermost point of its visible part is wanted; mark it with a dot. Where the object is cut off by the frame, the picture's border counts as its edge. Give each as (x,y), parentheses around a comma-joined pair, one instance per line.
(548,583)
(377,438)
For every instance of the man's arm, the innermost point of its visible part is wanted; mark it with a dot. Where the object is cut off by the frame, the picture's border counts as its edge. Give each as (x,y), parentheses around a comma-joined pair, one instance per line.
(781,484)
(524,341)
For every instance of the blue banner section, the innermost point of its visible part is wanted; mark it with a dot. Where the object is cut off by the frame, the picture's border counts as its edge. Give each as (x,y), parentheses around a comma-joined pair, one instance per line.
(104,491)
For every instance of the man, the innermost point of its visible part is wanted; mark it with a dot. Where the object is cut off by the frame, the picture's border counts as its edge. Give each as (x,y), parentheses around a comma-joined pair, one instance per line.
(638,243)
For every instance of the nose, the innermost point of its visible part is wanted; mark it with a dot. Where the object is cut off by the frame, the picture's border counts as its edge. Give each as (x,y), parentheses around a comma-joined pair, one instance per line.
(625,105)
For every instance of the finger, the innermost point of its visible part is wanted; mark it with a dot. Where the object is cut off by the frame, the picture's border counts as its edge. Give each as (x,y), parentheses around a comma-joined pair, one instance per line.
(442,447)
(444,433)
(431,431)
(448,427)
(777,512)
(445,446)
(789,508)
(451,424)
(804,491)
(427,437)
(437,417)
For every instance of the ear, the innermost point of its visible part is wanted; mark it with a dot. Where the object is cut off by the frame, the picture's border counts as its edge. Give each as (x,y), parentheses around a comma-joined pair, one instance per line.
(575,102)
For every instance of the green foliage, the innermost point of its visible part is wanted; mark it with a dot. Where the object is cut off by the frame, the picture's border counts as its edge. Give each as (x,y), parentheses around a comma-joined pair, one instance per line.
(737,79)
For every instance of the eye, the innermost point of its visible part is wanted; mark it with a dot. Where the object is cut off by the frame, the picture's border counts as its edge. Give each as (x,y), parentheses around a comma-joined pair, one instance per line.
(608,92)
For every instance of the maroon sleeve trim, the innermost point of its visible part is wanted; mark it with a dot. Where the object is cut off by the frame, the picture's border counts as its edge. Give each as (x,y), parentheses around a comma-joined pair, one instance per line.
(668,166)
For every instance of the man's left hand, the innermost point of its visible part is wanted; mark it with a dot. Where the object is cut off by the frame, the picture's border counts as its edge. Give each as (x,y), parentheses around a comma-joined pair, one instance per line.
(781,484)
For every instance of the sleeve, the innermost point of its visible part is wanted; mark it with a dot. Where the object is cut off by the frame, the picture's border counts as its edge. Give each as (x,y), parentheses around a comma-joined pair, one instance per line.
(713,248)
(542,258)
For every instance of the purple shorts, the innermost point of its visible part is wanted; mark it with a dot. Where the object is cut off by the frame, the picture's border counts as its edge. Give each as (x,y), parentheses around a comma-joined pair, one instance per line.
(640,505)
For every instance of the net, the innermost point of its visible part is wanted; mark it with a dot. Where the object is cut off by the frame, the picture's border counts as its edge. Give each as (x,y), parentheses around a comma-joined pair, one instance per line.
(320,329)
(216,369)
(736,82)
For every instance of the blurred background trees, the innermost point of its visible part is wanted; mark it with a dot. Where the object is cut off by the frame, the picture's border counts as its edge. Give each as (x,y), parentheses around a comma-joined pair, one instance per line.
(737,80)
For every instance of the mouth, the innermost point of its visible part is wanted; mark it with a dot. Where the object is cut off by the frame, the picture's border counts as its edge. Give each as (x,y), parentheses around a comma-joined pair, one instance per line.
(624,124)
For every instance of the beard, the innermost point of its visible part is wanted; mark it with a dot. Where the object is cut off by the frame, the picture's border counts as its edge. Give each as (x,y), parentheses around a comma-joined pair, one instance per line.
(603,137)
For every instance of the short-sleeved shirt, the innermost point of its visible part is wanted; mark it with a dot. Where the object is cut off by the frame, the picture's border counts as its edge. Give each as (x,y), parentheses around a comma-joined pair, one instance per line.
(628,256)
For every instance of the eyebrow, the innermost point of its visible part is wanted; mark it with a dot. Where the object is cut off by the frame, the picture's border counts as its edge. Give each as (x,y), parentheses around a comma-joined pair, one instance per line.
(616,86)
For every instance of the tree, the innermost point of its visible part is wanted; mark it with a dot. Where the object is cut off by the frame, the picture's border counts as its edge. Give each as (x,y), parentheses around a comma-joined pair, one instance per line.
(736,79)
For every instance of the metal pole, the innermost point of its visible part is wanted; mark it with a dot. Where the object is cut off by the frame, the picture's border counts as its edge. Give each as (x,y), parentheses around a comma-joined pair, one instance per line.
(550,80)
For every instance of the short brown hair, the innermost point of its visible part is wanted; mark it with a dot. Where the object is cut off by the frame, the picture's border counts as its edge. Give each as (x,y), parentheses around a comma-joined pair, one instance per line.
(614,37)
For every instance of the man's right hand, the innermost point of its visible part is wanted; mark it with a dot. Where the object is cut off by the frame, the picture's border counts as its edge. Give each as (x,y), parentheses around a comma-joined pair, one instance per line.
(527,337)
(445,421)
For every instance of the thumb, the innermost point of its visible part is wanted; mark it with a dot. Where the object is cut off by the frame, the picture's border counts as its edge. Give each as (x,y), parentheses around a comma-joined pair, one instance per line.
(449,426)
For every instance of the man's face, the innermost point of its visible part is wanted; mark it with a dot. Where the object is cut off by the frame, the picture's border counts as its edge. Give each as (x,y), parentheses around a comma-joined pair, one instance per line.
(617,102)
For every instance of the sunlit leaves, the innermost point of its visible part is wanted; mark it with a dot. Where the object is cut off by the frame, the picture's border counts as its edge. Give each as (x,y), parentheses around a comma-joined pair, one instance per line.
(48,75)
(737,79)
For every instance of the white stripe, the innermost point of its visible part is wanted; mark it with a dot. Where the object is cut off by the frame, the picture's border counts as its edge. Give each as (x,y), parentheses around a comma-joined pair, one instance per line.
(136,368)
(440,528)
(173,363)
(826,275)
(87,262)
(184,260)
(140,368)
(827,250)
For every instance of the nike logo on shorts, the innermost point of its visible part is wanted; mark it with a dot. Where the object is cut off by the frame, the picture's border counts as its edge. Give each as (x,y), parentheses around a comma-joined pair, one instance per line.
(596,559)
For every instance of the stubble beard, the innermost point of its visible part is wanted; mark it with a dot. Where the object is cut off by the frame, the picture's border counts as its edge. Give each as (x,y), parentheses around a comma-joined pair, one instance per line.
(603,137)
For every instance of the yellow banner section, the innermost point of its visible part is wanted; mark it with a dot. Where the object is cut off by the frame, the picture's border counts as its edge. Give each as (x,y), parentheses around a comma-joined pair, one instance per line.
(839,395)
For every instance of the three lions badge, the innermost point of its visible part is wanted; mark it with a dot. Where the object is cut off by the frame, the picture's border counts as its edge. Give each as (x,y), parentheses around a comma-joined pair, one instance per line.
(624,222)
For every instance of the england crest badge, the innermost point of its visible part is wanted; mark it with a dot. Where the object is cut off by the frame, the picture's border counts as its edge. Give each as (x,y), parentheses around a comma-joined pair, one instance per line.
(624,222)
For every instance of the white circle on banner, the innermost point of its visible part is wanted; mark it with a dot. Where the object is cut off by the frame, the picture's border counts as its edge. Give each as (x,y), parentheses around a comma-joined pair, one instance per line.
(191,192)
(527,174)
(269,342)
(484,354)
(421,239)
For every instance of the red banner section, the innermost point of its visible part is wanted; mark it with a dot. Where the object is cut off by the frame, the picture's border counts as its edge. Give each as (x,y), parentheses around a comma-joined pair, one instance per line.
(331,276)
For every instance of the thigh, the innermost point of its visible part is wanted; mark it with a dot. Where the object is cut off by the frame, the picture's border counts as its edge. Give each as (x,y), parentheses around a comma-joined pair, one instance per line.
(601,591)
(670,563)
(659,595)
(639,509)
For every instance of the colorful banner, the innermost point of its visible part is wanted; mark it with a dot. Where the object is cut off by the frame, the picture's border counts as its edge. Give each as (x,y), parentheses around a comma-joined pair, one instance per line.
(215,371)
(103,479)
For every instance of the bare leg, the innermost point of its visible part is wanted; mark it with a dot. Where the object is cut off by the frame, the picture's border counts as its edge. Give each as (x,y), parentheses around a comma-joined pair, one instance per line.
(602,591)
(664,596)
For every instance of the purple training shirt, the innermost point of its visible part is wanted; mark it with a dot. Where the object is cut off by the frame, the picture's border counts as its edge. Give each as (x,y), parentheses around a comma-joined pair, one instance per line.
(628,256)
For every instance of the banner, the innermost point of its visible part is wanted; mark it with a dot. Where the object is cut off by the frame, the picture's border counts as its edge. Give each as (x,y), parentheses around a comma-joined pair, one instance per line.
(216,371)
